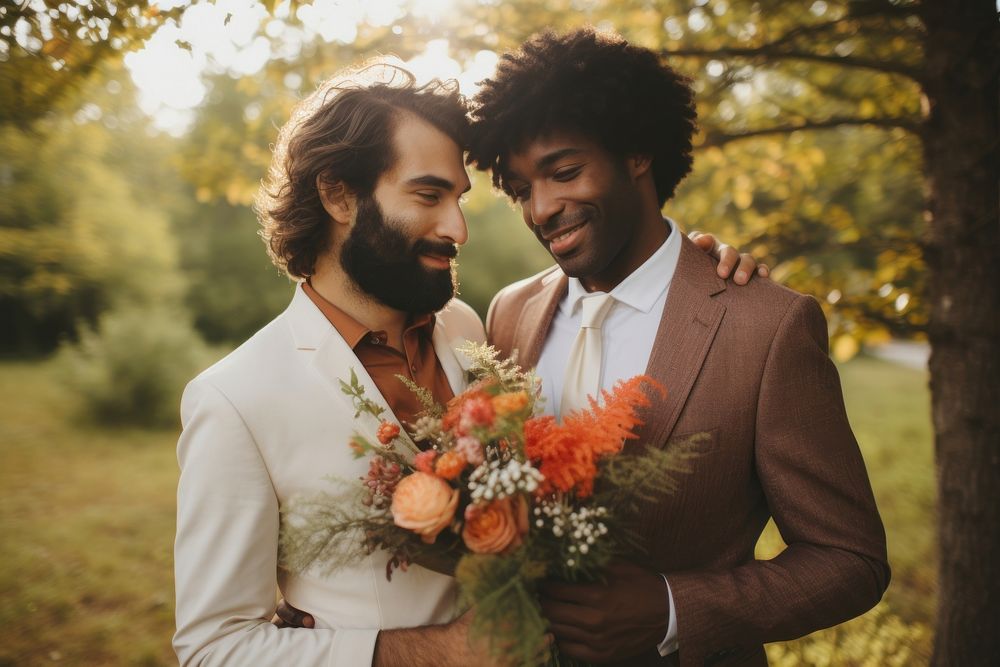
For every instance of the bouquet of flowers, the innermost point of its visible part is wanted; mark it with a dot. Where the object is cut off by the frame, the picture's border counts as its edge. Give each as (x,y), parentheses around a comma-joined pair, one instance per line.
(497,494)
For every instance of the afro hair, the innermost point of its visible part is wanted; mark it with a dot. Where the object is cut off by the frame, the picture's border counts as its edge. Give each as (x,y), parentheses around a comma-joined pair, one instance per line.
(593,83)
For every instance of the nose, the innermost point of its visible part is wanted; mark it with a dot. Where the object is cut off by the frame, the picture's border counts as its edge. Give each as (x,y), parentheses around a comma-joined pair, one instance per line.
(543,205)
(452,227)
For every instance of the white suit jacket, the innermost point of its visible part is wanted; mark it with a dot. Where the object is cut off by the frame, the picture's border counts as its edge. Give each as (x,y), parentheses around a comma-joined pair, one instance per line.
(265,423)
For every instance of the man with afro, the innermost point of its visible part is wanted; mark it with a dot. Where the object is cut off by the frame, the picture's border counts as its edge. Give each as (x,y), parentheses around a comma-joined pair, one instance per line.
(590,136)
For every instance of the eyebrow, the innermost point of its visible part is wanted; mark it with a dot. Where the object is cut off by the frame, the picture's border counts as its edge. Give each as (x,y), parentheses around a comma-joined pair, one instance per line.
(436,182)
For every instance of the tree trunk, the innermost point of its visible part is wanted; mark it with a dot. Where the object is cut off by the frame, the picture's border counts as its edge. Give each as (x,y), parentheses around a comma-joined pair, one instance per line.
(960,139)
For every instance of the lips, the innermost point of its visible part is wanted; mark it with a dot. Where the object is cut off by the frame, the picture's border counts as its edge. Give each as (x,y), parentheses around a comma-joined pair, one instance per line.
(435,254)
(564,240)
(436,261)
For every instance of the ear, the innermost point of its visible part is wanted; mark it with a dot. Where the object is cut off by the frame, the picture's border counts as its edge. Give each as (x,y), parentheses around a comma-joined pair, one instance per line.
(339,201)
(638,165)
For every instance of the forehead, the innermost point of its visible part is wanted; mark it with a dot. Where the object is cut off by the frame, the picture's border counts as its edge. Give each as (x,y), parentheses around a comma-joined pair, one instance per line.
(422,149)
(537,153)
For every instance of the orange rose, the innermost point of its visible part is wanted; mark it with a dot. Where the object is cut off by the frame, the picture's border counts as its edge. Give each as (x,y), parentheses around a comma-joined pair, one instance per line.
(498,527)
(424,504)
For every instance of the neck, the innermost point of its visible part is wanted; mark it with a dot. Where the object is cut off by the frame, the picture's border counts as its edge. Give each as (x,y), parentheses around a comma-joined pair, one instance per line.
(650,233)
(333,284)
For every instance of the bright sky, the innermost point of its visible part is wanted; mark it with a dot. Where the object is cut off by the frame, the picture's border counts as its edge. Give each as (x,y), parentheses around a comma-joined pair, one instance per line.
(170,77)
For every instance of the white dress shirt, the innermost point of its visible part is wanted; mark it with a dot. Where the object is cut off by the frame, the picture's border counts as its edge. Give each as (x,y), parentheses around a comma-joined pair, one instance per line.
(628,332)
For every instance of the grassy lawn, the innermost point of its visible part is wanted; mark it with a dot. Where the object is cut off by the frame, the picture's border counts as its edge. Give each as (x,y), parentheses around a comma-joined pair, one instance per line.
(87,517)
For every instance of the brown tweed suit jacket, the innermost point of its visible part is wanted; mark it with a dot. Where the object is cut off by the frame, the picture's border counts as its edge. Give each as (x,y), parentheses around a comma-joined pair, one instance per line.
(750,367)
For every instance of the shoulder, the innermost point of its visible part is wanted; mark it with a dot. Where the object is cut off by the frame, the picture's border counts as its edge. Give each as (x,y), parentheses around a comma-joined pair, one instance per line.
(770,318)
(246,366)
(461,320)
(512,297)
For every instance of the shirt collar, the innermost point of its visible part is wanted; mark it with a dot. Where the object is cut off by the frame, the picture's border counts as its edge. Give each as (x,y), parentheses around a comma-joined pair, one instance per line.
(354,332)
(643,287)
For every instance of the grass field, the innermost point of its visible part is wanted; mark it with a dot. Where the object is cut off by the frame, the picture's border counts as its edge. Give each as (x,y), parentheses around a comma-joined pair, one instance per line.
(87,518)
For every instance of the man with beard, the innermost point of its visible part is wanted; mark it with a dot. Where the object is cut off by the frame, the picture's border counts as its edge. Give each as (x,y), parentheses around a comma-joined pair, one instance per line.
(362,207)
(590,136)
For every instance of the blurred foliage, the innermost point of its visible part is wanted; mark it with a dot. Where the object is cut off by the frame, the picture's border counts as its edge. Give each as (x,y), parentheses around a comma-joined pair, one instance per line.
(233,289)
(877,639)
(131,368)
(78,233)
(807,157)
(48,48)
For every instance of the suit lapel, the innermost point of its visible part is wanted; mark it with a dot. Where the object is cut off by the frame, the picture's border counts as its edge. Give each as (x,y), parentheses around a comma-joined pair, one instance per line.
(333,360)
(453,363)
(690,320)
(536,318)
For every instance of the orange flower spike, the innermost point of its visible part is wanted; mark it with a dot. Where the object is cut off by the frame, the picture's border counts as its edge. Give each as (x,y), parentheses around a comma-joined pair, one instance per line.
(387,432)
(567,453)
(450,465)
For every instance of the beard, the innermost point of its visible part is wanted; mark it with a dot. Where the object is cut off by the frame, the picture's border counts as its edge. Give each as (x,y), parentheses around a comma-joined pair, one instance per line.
(385,263)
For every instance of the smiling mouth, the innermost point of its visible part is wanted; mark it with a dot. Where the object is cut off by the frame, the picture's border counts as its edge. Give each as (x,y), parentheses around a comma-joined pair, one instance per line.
(566,240)
(436,261)
(565,234)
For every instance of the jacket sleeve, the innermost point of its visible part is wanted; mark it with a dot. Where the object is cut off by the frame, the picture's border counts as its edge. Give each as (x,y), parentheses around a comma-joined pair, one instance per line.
(816,486)
(226,551)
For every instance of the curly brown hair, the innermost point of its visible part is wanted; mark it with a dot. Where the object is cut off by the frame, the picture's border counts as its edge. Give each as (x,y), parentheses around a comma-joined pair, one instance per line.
(341,136)
(593,83)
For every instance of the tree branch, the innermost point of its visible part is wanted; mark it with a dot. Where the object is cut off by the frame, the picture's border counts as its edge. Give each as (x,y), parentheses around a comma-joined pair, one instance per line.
(768,53)
(716,139)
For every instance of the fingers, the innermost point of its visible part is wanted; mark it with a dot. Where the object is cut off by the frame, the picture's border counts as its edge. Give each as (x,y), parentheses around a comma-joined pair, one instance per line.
(581,594)
(570,633)
(582,651)
(729,259)
(741,267)
(289,616)
(727,255)
(578,642)
(707,242)
(571,615)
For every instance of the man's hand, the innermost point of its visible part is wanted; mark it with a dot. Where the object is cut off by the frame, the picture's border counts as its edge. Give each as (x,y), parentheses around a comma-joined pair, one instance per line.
(729,258)
(287,616)
(441,645)
(623,617)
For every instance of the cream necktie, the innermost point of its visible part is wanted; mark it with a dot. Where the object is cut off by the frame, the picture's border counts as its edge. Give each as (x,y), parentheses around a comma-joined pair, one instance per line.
(583,369)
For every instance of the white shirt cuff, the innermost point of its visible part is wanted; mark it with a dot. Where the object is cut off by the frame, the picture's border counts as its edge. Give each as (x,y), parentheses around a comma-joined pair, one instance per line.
(669,643)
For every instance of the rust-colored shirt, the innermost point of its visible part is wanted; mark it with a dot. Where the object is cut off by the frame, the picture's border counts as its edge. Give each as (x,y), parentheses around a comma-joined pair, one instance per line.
(418,361)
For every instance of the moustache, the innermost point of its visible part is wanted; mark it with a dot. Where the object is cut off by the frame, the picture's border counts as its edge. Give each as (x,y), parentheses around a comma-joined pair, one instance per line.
(439,248)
